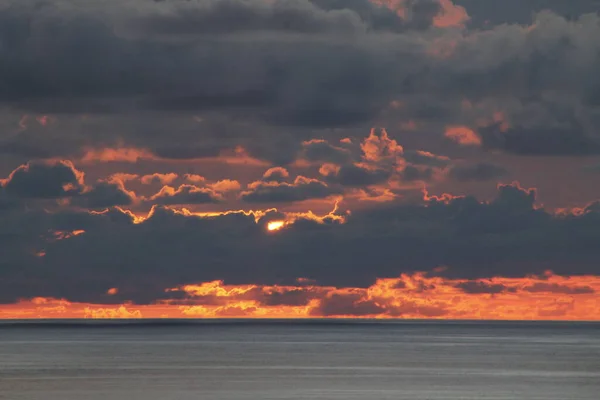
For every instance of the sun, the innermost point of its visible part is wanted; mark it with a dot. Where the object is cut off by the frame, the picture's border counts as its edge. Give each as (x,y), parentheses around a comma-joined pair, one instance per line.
(275,225)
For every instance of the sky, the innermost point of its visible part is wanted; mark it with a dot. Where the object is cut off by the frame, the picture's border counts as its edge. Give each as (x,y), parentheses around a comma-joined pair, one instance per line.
(300,159)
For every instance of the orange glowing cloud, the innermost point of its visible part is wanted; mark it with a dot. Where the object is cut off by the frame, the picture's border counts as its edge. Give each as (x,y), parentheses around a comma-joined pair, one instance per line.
(375,194)
(194,178)
(237,156)
(185,194)
(62,235)
(377,147)
(451,15)
(418,295)
(462,135)
(120,312)
(226,185)
(276,174)
(259,215)
(395,5)
(122,154)
(42,120)
(164,179)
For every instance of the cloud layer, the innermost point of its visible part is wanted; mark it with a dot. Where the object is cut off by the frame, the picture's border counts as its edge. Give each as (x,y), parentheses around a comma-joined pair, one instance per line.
(317,155)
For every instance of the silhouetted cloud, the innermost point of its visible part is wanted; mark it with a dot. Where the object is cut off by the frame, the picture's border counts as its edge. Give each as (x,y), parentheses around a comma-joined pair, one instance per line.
(478,287)
(107,194)
(505,237)
(556,288)
(45,180)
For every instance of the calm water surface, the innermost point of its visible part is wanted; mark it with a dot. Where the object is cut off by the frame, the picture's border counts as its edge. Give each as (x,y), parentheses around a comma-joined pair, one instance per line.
(256,361)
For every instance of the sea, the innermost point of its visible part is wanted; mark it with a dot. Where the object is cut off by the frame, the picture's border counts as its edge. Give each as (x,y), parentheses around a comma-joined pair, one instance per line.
(294,360)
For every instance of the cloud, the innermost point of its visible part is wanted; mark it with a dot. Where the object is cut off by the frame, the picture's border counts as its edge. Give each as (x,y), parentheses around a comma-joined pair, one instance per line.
(121,154)
(323,151)
(226,185)
(542,77)
(185,194)
(276,174)
(377,160)
(354,175)
(411,173)
(45,180)
(351,304)
(233,16)
(106,194)
(508,237)
(194,178)
(163,179)
(462,135)
(477,172)
(301,189)
(557,288)
(419,157)
(541,140)
(270,110)
(386,298)
(480,287)
(132,35)
(124,177)
(520,12)
(380,149)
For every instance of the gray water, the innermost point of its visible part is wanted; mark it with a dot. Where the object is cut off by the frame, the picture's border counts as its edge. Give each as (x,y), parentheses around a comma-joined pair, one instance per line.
(311,360)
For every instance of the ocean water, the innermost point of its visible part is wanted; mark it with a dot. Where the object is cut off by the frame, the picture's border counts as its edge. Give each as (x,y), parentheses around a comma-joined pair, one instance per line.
(247,360)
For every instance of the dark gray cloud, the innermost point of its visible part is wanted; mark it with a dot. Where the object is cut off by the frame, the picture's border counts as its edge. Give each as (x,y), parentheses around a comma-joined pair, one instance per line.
(487,14)
(232,16)
(505,237)
(345,17)
(541,141)
(284,63)
(106,194)
(44,180)
(419,14)
(559,289)
(323,151)
(352,175)
(293,79)
(411,174)
(477,172)
(478,287)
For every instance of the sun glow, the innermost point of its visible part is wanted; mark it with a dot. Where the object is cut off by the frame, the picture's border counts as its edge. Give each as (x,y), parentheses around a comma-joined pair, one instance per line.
(410,296)
(275,225)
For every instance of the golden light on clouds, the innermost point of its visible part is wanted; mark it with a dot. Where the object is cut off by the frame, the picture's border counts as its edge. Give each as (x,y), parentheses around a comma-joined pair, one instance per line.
(462,135)
(410,296)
